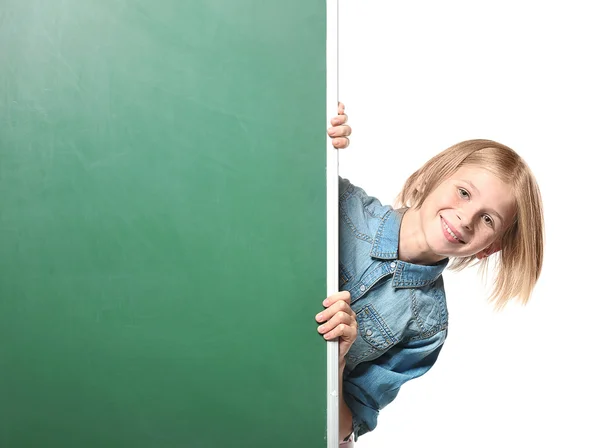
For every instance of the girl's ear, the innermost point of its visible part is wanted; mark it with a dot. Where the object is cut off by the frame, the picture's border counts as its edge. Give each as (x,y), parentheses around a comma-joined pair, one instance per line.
(495,247)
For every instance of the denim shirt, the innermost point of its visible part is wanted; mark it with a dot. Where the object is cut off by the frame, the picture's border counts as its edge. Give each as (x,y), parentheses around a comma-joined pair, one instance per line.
(400,307)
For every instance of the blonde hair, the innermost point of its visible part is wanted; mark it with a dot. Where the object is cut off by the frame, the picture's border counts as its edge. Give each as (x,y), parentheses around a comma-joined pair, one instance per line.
(519,262)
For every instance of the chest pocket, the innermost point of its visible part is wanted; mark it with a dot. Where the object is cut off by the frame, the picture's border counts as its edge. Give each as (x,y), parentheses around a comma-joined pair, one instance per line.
(374,337)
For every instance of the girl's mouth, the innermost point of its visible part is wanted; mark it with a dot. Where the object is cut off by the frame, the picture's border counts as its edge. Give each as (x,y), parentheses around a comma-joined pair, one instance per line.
(451,235)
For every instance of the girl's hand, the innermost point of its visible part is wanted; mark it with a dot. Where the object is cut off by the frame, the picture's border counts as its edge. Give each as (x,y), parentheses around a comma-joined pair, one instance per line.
(338,321)
(340,131)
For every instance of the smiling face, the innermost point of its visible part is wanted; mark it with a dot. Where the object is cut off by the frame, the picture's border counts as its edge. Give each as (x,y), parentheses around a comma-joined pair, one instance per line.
(467,213)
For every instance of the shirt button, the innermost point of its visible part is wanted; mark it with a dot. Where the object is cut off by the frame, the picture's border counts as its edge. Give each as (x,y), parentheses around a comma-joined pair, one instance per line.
(393,265)
(363,287)
(369,332)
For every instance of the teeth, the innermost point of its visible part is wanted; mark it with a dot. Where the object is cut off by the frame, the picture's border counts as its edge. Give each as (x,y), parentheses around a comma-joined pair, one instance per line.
(451,232)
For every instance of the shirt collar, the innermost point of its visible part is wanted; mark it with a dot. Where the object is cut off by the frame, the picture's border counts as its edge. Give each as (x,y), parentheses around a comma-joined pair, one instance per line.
(385,247)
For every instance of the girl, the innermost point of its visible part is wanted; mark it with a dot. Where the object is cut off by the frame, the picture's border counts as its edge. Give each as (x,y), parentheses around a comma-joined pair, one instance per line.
(474,199)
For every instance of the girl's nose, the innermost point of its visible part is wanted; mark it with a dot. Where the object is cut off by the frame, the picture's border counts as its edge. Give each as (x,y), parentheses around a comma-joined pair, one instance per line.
(465,218)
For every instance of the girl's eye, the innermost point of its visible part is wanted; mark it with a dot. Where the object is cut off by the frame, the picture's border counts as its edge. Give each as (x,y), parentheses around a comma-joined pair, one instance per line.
(488,220)
(463,193)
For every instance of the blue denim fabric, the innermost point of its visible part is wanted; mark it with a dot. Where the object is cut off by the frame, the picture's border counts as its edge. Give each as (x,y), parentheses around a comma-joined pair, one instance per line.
(400,307)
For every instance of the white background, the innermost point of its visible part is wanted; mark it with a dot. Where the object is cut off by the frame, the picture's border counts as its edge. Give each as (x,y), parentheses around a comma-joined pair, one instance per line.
(417,77)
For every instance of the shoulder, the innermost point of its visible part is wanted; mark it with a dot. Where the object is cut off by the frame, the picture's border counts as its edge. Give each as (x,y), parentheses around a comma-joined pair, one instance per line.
(353,197)
(360,214)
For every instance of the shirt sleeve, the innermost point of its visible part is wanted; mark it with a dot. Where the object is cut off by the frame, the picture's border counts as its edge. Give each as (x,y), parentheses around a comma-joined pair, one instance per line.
(373,385)
(343,185)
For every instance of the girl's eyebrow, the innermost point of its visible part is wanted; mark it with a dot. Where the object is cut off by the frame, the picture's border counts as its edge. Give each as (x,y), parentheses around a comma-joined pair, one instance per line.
(493,212)
(470,185)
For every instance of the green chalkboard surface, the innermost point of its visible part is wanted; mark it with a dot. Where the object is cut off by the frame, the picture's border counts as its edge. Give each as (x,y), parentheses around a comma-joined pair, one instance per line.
(162,223)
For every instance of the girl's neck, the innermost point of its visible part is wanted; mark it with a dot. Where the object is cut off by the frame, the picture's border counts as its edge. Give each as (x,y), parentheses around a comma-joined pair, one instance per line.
(412,246)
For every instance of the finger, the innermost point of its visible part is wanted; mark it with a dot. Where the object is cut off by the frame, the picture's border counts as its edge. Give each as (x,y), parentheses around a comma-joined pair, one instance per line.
(340,142)
(340,305)
(342,116)
(330,312)
(339,131)
(339,318)
(339,120)
(336,296)
(346,332)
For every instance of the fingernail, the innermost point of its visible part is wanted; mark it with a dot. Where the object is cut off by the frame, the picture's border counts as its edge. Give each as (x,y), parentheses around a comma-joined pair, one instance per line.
(330,131)
(320,328)
(319,317)
(325,302)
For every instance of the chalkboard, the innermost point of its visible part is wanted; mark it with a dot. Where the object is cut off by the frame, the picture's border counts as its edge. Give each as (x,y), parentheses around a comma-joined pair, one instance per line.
(162,223)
